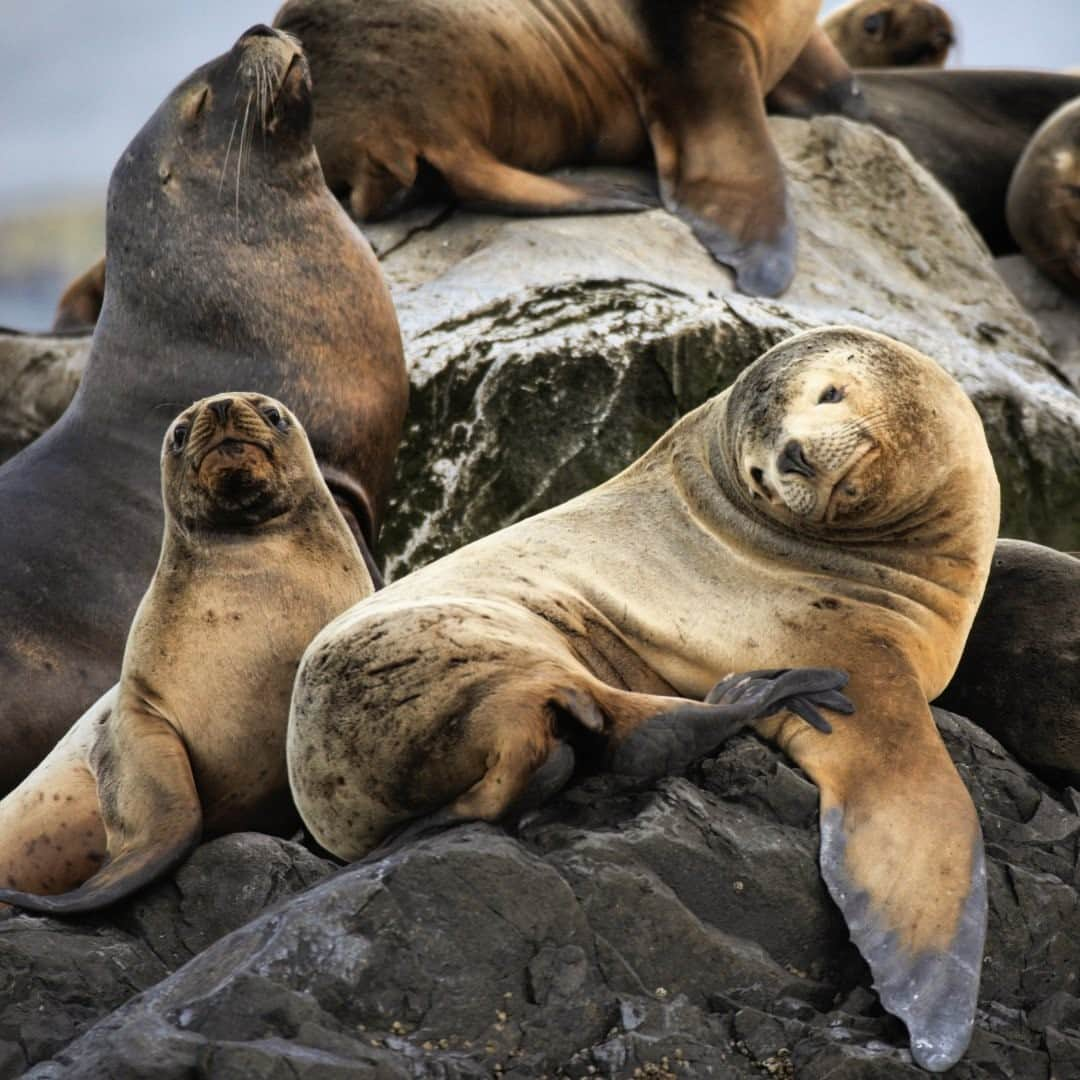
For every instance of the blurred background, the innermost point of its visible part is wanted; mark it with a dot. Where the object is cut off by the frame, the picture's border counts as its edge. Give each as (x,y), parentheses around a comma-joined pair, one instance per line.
(83,77)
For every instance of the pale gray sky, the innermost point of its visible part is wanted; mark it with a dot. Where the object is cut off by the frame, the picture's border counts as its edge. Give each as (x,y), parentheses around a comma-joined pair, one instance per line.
(81,78)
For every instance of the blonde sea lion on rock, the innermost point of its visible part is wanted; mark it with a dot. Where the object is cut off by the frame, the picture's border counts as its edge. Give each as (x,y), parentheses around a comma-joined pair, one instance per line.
(891,33)
(1043,207)
(256,558)
(488,94)
(835,507)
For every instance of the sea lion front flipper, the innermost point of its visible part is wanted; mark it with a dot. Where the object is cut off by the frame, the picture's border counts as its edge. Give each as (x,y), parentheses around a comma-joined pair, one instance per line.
(718,168)
(902,856)
(149,806)
(480,180)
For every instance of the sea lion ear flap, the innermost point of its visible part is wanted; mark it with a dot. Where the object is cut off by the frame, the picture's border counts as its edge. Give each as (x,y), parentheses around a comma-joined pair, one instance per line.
(902,856)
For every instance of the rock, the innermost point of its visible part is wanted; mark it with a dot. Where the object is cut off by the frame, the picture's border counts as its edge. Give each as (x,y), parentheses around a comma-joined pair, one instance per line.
(625,927)
(57,978)
(1056,313)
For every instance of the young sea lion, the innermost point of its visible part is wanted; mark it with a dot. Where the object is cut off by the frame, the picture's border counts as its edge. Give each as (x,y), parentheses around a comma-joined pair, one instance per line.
(229,264)
(891,33)
(256,558)
(488,94)
(1043,206)
(836,507)
(80,304)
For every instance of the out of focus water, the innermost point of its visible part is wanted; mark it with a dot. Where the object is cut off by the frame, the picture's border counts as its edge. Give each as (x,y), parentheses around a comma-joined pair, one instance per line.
(81,77)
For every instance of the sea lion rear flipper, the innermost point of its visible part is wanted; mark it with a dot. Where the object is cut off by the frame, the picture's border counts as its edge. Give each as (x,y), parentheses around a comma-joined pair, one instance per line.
(718,168)
(819,81)
(149,806)
(480,180)
(902,856)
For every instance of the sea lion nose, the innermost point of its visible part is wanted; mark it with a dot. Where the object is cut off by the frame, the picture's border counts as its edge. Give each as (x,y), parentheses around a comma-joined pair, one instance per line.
(793,459)
(220,409)
(258,30)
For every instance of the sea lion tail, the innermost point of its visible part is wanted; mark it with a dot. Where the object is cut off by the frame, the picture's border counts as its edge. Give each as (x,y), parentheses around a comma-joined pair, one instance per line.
(149,806)
(902,856)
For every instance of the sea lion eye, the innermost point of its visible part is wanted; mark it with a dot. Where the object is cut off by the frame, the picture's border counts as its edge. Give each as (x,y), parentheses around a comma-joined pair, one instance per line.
(274,417)
(830,395)
(179,438)
(195,106)
(874,24)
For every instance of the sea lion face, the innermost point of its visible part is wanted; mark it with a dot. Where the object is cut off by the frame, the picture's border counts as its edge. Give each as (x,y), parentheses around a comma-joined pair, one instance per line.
(901,33)
(822,428)
(235,460)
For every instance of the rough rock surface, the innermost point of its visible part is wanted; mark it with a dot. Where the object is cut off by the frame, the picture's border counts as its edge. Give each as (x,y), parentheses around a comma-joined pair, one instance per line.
(680,928)
(1056,313)
(547,353)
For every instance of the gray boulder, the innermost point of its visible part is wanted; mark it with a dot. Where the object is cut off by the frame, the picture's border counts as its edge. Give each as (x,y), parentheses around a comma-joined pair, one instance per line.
(680,929)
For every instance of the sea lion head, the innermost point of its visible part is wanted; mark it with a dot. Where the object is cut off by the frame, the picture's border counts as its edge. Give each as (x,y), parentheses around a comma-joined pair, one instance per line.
(842,430)
(895,33)
(236,460)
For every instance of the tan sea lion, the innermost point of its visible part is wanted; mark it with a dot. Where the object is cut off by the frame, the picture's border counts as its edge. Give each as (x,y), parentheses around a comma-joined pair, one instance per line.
(1043,207)
(835,507)
(1019,676)
(256,558)
(891,33)
(80,303)
(229,264)
(488,94)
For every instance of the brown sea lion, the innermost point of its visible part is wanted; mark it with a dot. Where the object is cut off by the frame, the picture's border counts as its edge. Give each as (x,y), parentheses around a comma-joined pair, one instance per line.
(969,128)
(1043,207)
(256,558)
(891,33)
(80,303)
(488,94)
(229,264)
(1019,676)
(837,506)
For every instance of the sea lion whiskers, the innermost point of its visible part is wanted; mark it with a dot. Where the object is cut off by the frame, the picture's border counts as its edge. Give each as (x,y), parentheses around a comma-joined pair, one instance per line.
(240,156)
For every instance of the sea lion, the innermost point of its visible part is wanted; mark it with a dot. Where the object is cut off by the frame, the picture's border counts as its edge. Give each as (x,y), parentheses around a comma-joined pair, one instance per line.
(891,33)
(255,559)
(229,264)
(487,94)
(1019,676)
(1043,205)
(835,507)
(80,303)
(969,128)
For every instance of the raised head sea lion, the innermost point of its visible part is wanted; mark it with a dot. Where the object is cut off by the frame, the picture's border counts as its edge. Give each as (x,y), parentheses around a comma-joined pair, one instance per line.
(229,264)
(489,94)
(891,33)
(80,303)
(1043,207)
(1019,676)
(256,558)
(835,507)
(969,128)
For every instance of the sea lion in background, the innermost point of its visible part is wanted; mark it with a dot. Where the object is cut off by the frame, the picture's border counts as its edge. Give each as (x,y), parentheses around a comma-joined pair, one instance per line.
(891,33)
(488,94)
(1019,676)
(1043,207)
(256,558)
(80,303)
(969,128)
(835,507)
(229,264)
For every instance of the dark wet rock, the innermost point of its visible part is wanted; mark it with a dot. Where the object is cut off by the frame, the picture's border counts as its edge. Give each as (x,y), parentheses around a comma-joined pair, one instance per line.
(667,930)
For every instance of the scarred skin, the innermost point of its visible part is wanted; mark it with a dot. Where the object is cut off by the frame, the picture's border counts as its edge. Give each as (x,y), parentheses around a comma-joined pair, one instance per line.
(256,558)
(891,33)
(217,277)
(491,93)
(837,507)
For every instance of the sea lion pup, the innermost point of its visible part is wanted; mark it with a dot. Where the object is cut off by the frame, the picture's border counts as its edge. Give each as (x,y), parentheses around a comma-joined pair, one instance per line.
(256,558)
(229,264)
(490,93)
(1019,676)
(891,33)
(835,507)
(1043,207)
(80,304)
(969,128)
